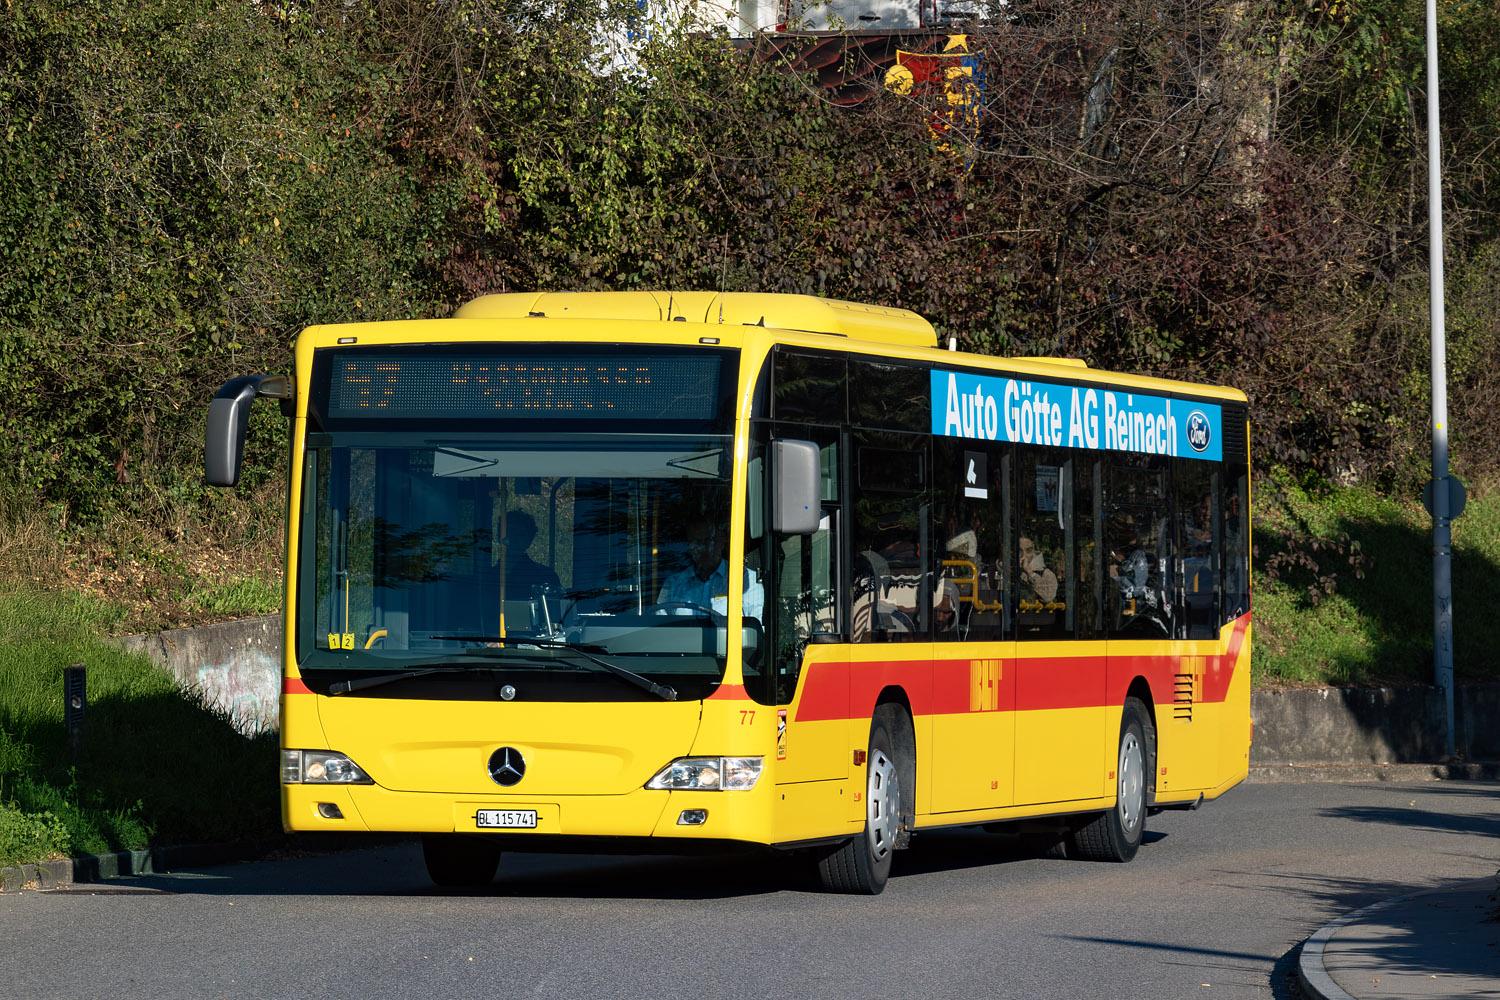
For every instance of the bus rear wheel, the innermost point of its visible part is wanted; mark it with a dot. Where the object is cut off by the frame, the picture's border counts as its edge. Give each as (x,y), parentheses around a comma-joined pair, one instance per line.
(1115,835)
(862,865)
(458,861)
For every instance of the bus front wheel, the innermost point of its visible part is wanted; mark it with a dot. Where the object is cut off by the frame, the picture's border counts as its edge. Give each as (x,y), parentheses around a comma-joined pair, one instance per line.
(863,864)
(1115,835)
(458,861)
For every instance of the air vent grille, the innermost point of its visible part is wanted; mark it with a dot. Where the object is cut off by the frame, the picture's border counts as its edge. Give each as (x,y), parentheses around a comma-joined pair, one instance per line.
(1234,434)
(1183,695)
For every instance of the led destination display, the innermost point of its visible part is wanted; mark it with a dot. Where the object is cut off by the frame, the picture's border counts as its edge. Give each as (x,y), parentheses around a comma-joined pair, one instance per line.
(618,385)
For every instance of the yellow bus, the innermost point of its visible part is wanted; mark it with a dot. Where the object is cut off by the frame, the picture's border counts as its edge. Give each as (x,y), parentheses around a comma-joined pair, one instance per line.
(682,571)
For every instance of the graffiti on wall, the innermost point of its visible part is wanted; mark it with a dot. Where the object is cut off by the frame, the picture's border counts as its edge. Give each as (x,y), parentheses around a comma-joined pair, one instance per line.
(247,688)
(232,667)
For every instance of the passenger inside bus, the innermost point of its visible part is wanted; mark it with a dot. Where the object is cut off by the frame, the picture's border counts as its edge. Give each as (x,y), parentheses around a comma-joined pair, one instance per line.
(945,605)
(1141,606)
(1129,566)
(1038,582)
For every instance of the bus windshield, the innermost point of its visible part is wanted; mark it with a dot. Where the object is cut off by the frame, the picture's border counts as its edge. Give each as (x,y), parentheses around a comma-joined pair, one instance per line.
(416,549)
(427,539)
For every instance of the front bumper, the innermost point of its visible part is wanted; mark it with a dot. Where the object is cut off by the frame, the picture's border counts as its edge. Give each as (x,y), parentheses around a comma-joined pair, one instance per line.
(735,816)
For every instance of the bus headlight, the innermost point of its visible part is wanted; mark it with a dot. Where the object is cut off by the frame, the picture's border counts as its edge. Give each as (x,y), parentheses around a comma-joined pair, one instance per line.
(709,774)
(321,767)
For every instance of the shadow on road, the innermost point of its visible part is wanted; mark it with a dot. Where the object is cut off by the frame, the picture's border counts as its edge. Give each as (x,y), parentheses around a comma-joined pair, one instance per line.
(396,869)
(1411,815)
(953,850)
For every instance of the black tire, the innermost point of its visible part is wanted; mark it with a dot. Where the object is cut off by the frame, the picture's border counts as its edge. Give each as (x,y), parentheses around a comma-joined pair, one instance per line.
(458,861)
(1115,835)
(862,865)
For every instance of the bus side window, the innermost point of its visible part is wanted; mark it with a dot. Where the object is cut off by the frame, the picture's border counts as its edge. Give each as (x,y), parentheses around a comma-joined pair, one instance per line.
(969,497)
(1138,535)
(1236,521)
(892,593)
(1235,516)
(803,575)
(810,388)
(1085,558)
(806,599)
(1198,546)
(892,396)
(1047,544)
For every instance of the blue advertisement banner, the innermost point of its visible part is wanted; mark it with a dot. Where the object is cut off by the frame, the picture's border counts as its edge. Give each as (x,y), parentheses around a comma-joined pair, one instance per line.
(986,408)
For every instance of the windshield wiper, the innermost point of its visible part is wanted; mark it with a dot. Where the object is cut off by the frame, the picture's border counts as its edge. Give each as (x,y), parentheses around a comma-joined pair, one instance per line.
(375,680)
(583,649)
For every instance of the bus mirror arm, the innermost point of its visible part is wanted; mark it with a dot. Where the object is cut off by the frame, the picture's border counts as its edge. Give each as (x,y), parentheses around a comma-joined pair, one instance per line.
(752,640)
(228,421)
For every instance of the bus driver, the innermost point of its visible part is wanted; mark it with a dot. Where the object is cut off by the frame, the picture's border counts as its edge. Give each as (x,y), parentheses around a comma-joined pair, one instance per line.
(705,582)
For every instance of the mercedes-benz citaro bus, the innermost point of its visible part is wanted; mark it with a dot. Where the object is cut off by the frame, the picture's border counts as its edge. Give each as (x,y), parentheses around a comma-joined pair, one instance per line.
(665,572)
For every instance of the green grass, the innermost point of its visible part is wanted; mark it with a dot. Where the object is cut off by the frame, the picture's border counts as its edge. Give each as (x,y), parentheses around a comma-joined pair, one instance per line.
(243,598)
(1374,628)
(154,765)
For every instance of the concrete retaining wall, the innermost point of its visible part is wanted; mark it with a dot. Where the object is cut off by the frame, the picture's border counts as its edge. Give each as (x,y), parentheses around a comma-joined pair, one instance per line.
(1373,725)
(236,666)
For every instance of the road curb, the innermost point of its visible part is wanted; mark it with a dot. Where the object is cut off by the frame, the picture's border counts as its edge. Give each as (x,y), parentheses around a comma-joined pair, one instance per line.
(1313,975)
(42,875)
(1294,773)
(84,868)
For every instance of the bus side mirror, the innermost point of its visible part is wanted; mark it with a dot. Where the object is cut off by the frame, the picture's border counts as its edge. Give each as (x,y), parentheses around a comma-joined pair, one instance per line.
(228,419)
(796,485)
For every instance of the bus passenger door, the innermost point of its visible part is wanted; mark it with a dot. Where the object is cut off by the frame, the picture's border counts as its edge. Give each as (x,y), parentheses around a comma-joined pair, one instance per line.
(1060,682)
(807,664)
(810,658)
(973,651)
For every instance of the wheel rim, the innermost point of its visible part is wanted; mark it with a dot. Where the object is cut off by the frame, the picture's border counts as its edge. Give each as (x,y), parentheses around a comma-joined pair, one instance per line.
(1132,781)
(882,804)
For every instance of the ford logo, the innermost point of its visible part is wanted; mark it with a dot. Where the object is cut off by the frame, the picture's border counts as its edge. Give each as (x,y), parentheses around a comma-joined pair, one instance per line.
(1199,431)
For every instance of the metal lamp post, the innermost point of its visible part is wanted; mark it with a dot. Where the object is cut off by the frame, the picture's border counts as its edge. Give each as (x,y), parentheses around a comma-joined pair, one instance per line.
(1442,491)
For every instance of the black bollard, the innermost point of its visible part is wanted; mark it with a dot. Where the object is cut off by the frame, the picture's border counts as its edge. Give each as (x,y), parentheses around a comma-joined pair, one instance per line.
(75,702)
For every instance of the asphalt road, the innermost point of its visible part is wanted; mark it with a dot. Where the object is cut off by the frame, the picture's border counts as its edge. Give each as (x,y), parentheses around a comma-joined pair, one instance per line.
(1215,905)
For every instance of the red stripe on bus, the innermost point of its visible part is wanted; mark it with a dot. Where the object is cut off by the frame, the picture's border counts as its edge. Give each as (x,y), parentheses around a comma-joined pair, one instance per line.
(729,692)
(829,687)
(1216,688)
(825,691)
(294,685)
(1060,682)
(834,690)
(1217,670)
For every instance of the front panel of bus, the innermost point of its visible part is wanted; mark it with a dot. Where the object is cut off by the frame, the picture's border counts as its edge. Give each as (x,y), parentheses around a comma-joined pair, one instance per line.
(511,594)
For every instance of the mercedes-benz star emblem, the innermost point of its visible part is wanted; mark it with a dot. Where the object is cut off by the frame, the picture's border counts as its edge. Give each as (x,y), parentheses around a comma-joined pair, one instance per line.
(507,766)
